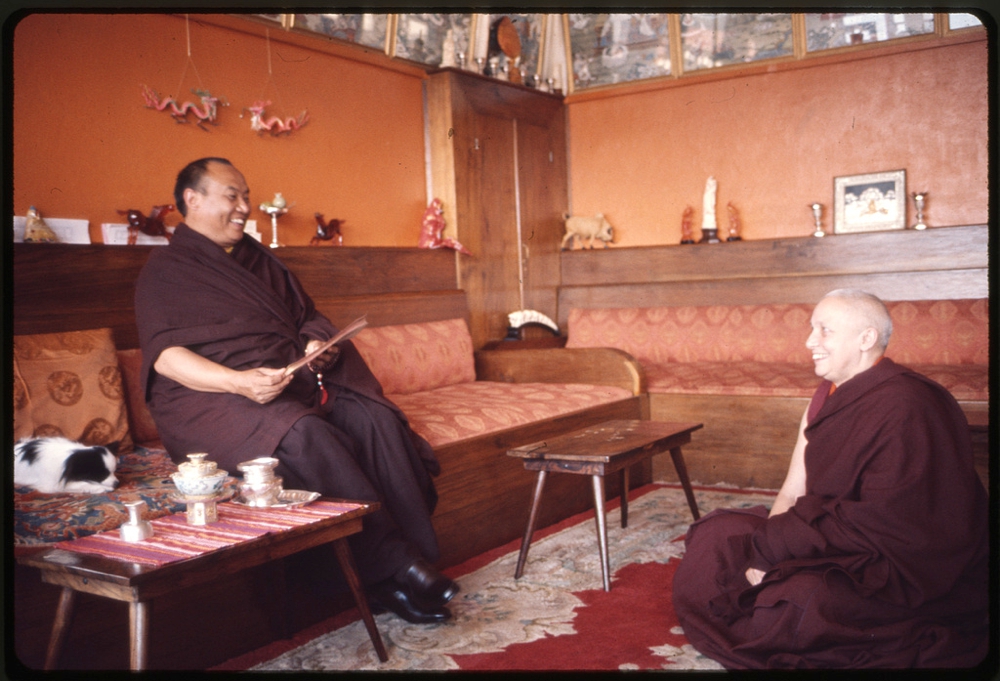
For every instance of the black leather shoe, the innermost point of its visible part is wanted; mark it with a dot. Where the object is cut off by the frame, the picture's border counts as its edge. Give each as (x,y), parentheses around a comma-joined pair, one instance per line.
(427,584)
(389,595)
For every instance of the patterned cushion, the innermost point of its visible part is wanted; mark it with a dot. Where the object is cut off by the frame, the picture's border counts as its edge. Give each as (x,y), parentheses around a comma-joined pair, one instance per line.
(72,387)
(940,332)
(410,358)
(760,349)
(465,410)
(924,332)
(144,474)
(777,379)
(963,381)
(720,333)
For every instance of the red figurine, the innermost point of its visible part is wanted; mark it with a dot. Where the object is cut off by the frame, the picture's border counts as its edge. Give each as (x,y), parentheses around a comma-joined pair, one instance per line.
(327,231)
(151,226)
(734,223)
(686,235)
(433,227)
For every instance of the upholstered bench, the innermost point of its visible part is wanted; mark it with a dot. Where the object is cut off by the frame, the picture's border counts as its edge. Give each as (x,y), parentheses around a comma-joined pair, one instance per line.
(745,372)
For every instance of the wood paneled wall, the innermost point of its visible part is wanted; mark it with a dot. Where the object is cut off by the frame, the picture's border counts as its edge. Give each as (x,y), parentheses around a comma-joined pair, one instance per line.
(95,286)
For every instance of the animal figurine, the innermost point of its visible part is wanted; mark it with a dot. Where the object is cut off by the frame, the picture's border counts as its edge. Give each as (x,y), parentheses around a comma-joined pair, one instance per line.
(55,464)
(579,228)
(35,229)
(273,125)
(179,113)
(151,226)
(328,232)
(433,227)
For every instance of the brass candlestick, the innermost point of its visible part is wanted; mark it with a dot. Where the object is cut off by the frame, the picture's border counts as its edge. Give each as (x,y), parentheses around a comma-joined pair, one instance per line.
(918,200)
(276,208)
(817,209)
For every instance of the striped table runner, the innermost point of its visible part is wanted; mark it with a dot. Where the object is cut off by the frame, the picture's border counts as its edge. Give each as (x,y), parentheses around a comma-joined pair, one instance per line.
(173,539)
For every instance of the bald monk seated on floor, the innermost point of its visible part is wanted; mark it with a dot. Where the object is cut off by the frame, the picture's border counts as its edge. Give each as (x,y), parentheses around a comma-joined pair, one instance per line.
(875,553)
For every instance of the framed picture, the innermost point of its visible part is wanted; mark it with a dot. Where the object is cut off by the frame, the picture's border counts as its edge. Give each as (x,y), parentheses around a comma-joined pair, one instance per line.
(434,39)
(370,30)
(869,203)
(606,49)
(710,40)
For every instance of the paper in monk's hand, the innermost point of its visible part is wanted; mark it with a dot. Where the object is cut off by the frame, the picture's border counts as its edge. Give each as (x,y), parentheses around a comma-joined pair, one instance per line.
(348,331)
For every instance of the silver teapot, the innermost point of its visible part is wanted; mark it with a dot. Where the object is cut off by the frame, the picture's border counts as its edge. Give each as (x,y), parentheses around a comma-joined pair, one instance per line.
(260,486)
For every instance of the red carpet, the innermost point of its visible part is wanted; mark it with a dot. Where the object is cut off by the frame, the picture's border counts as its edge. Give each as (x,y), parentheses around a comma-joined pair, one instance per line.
(556,617)
(623,624)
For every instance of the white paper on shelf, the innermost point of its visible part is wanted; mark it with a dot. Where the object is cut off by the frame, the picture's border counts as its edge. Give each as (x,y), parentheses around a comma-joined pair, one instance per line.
(67,230)
(115,234)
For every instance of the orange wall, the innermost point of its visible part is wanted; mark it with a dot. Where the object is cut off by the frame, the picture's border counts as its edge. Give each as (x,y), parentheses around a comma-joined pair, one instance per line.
(775,141)
(85,145)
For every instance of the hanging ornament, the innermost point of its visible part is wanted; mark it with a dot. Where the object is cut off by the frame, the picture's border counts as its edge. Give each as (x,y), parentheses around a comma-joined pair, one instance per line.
(205,112)
(275,125)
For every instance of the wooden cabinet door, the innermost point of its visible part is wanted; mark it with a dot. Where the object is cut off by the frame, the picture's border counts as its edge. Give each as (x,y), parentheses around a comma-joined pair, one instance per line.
(498,165)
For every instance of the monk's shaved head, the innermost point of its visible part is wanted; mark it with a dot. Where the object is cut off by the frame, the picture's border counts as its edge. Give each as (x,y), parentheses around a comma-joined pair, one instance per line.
(871,312)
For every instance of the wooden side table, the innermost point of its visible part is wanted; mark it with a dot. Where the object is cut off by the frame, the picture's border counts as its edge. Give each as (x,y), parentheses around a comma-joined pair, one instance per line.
(598,451)
(137,583)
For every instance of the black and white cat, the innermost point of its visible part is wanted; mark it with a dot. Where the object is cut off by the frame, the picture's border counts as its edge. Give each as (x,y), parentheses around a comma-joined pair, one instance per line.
(55,464)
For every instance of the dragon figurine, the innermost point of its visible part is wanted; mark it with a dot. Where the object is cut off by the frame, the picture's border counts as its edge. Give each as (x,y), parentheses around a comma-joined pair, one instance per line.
(206,114)
(273,125)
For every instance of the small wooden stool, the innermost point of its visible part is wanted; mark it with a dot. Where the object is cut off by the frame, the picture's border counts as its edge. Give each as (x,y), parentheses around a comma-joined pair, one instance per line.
(598,451)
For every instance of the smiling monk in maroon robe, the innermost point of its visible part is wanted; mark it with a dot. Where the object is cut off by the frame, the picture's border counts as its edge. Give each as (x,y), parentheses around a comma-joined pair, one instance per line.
(219,318)
(875,553)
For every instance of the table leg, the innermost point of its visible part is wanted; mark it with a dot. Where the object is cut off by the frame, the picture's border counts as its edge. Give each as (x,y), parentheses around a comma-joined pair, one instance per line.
(60,627)
(602,530)
(532,518)
(138,621)
(682,473)
(350,571)
(624,496)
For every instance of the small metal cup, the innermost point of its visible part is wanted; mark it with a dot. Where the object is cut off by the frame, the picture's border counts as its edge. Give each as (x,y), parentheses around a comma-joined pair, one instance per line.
(136,529)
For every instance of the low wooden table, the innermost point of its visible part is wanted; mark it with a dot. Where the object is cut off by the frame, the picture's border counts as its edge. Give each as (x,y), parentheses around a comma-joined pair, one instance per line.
(137,583)
(598,451)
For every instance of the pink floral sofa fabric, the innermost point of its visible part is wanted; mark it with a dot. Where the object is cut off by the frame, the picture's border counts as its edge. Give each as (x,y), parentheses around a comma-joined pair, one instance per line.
(457,412)
(760,349)
(409,358)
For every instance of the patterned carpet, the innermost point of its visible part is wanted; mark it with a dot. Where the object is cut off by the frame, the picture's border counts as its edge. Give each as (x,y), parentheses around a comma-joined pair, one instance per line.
(556,617)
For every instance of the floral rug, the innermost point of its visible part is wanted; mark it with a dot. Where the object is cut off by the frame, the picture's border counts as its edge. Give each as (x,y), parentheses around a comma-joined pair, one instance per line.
(556,617)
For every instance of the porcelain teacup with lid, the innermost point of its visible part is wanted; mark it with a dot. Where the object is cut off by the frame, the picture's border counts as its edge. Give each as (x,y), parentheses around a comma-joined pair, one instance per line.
(199,477)
(197,467)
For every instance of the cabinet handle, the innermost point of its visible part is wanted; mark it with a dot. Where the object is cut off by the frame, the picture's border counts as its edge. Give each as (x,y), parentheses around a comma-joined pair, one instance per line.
(475,144)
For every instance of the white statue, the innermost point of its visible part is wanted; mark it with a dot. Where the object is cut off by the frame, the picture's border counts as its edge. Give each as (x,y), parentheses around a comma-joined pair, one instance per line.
(708,207)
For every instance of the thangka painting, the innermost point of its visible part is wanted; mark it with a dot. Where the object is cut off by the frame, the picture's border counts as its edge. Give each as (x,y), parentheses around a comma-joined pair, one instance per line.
(870,203)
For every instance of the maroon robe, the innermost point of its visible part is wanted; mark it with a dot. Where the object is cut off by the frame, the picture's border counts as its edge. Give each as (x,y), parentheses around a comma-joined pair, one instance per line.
(882,563)
(244,310)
